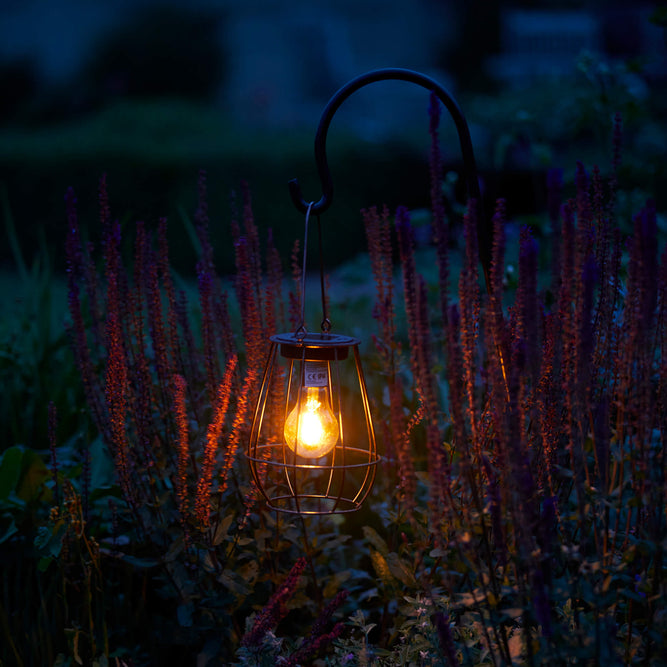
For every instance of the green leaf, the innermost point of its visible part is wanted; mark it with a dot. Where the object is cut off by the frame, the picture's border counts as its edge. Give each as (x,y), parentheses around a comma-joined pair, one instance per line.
(374,538)
(233,582)
(174,550)
(134,561)
(33,475)
(43,563)
(184,613)
(400,571)
(102,474)
(249,572)
(11,529)
(335,583)
(222,529)
(49,541)
(381,568)
(10,470)
(633,595)
(331,543)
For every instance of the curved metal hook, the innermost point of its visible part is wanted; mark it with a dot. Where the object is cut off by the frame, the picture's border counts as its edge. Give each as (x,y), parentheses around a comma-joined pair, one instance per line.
(386,74)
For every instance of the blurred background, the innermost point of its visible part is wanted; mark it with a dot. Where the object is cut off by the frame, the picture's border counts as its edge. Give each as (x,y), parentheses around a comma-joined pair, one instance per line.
(149,92)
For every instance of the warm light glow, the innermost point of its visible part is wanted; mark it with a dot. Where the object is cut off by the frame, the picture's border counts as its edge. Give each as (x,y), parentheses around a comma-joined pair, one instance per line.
(311,429)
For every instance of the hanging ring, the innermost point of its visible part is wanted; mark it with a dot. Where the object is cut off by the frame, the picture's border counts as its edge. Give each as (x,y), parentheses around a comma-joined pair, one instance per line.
(301,332)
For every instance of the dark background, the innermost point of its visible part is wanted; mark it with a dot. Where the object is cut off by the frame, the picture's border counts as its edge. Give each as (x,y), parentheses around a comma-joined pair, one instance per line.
(151,92)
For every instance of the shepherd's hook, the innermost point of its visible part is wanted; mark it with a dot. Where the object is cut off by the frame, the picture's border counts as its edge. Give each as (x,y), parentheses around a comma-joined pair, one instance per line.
(469,165)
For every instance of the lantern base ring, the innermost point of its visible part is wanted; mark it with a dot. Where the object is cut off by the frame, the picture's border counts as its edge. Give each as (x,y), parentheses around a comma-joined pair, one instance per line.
(325,504)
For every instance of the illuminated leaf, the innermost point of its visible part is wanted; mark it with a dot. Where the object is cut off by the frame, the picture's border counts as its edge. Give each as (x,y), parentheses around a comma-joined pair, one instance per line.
(222,529)
(381,568)
(372,536)
(234,582)
(33,475)
(335,582)
(400,571)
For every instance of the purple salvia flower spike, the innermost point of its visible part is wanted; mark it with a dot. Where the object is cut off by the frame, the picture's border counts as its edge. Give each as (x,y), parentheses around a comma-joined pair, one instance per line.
(103,202)
(497,329)
(405,235)
(252,238)
(116,399)
(439,221)
(554,193)
(441,622)
(141,390)
(248,299)
(181,479)
(469,299)
(588,282)
(275,609)
(498,254)
(157,329)
(238,430)
(528,315)
(77,330)
(455,376)
(584,210)
(175,353)
(202,505)
(397,442)
(202,224)
(205,282)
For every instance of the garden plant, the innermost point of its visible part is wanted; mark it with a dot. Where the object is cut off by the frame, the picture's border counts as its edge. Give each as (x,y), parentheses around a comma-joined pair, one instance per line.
(518,515)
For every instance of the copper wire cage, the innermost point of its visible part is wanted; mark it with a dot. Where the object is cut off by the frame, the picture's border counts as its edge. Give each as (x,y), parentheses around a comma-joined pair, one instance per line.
(301,482)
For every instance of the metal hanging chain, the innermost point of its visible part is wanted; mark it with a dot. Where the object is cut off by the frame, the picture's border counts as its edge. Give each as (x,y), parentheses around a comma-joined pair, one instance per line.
(301,329)
(326,323)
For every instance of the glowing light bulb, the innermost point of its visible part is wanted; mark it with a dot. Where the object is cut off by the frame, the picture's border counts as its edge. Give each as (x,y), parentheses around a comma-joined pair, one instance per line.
(311,428)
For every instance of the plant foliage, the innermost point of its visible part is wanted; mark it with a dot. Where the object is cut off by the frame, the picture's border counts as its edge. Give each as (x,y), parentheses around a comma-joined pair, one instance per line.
(519,517)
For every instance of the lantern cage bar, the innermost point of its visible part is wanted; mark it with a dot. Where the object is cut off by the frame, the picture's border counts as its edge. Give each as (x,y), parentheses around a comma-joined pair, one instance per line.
(341,478)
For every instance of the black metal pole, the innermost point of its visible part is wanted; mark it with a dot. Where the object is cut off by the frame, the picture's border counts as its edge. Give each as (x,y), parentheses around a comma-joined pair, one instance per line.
(469,165)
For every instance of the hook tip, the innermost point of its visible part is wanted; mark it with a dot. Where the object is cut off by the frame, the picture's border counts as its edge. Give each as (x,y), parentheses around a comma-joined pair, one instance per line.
(297,197)
(302,205)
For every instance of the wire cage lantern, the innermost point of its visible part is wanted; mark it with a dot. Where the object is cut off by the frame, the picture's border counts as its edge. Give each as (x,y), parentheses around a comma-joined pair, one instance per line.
(312,446)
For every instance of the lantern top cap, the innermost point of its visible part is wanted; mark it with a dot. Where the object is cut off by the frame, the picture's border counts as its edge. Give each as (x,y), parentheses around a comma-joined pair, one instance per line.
(314,346)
